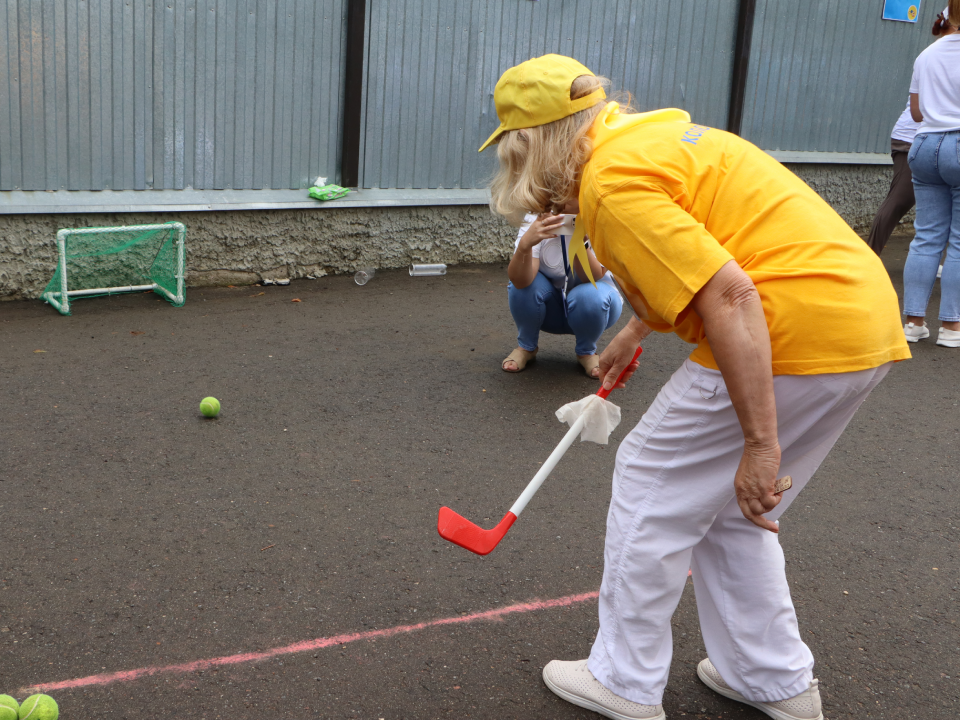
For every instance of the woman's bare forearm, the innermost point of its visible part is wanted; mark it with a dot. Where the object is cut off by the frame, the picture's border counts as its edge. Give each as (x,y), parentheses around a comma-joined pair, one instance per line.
(596,268)
(637,329)
(523,267)
(736,328)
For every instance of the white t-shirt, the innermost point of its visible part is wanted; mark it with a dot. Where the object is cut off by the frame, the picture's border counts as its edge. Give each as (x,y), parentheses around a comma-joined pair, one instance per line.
(936,79)
(550,252)
(906,127)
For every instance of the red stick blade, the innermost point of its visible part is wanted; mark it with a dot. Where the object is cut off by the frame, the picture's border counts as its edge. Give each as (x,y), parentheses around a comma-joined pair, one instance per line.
(460,531)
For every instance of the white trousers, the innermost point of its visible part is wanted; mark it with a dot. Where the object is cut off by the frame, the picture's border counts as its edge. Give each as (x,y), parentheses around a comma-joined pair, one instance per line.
(673,507)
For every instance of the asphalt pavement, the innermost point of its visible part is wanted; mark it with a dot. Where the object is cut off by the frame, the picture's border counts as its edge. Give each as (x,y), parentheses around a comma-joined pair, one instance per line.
(147,554)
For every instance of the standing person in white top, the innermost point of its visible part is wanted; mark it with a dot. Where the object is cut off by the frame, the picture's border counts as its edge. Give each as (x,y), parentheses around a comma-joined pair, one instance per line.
(900,198)
(935,163)
(548,291)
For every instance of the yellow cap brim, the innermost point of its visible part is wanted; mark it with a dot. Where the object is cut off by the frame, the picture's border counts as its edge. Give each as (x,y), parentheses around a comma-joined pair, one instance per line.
(574,106)
(493,138)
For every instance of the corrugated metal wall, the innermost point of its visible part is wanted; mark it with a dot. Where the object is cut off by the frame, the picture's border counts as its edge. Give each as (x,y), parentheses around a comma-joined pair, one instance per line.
(830,76)
(169,94)
(432,66)
(247,94)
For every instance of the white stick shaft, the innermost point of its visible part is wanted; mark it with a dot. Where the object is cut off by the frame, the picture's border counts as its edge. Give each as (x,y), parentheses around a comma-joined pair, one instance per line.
(548,466)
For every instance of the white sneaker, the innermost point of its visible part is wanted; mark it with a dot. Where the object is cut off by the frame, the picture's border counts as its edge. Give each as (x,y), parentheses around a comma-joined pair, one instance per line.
(939,271)
(948,338)
(915,333)
(574,682)
(805,706)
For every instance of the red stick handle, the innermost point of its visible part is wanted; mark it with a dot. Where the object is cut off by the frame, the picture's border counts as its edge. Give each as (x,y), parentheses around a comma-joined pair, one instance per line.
(603,393)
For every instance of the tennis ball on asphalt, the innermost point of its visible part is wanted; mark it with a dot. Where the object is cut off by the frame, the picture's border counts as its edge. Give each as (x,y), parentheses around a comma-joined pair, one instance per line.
(39,707)
(8,708)
(210,406)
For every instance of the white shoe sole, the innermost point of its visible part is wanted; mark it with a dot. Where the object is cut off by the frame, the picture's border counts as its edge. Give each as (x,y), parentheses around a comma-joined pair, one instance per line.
(948,343)
(734,695)
(590,705)
(916,338)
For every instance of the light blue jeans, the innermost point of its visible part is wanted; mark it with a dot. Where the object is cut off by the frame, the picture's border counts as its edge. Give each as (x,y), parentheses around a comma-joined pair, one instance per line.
(935,164)
(539,306)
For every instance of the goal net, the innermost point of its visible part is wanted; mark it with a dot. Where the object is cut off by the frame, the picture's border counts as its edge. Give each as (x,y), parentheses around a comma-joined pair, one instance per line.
(110,260)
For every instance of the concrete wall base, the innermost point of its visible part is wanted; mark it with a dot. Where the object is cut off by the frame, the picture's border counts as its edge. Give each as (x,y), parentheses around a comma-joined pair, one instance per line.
(244,247)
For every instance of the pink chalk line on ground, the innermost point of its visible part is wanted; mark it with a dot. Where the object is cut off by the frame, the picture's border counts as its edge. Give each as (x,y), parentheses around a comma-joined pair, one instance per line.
(306,646)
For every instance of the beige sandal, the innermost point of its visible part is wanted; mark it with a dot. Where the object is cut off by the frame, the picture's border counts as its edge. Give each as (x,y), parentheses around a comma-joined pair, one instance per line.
(520,358)
(589,364)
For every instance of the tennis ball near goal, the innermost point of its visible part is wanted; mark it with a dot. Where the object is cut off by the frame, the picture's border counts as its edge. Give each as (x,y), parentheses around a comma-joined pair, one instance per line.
(8,708)
(39,707)
(210,407)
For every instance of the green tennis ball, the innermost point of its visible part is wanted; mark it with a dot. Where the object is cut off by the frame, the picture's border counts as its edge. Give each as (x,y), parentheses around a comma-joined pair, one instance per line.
(210,406)
(8,708)
(39,707)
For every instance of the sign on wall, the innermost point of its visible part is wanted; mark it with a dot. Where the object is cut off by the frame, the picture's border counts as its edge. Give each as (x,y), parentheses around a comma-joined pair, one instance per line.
(902,10)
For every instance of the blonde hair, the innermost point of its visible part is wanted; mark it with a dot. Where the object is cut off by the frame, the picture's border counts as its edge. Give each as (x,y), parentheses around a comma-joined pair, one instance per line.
(540,167)
(953,13)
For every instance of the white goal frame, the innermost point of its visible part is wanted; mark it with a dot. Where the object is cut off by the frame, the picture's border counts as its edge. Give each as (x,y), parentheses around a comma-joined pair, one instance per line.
(61,300)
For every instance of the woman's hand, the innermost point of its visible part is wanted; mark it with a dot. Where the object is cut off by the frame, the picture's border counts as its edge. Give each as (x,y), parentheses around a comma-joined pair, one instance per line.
(546,226)
(523,266)
(754,484)
(619,354)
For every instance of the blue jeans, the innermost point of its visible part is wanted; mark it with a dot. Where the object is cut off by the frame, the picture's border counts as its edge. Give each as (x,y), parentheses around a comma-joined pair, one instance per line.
(539,306)
(935,163)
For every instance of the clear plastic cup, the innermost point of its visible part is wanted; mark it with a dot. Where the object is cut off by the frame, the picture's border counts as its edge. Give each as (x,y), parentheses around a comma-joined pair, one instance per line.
(364,275)
(422,270)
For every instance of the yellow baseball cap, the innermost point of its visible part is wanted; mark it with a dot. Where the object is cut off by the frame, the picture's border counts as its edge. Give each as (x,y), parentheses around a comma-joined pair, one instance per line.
(537,92)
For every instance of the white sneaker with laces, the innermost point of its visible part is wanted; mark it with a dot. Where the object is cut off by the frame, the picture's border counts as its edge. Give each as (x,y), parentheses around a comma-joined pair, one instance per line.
(948,338)
(805,706)
(573,681)
(914,332)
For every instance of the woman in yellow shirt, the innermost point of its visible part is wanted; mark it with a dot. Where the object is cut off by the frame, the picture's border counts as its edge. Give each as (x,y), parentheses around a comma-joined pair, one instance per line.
(794,321)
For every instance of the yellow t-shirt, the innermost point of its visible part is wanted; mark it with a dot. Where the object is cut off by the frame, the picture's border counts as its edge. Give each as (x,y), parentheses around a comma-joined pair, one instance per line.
(667,204)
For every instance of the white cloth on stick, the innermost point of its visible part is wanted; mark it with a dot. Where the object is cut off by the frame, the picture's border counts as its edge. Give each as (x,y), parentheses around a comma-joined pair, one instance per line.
(601,418)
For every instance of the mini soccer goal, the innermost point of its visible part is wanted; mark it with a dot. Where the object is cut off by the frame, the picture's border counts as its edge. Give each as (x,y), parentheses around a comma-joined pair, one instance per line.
(111,260)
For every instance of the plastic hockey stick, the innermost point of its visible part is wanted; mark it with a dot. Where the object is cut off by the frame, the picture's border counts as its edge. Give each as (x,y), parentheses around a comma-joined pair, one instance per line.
(460,531)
